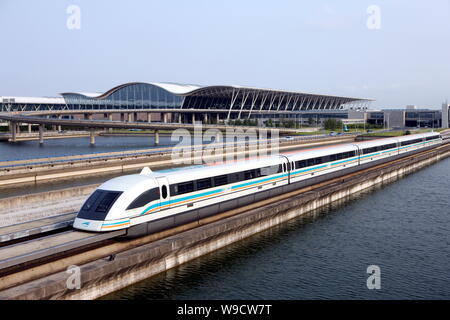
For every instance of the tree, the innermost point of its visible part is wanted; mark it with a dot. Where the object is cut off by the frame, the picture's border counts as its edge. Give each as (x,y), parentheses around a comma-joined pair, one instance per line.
(269,123)
(332,124)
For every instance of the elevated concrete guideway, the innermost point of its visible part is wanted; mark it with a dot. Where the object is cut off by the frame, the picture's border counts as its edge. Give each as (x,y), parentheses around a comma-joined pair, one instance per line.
(15,119)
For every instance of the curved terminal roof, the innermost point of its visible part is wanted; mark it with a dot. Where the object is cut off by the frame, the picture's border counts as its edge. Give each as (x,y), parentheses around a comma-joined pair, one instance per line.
(174,88)
(216,90)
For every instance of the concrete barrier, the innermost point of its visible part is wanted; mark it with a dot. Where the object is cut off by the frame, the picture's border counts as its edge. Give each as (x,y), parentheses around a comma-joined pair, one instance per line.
(12,203)
(21,209)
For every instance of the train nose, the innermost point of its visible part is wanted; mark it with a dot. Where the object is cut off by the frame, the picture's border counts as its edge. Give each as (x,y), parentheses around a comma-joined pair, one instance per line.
(88,225)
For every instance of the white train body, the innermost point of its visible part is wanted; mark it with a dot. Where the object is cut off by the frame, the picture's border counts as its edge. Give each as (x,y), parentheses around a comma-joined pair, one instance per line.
(153,201)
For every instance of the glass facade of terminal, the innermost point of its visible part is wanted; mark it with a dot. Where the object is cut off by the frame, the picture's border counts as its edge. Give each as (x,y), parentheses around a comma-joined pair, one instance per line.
(134,96)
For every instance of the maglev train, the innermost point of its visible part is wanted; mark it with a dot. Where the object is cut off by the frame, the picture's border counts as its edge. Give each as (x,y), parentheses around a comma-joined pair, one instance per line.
(153,201)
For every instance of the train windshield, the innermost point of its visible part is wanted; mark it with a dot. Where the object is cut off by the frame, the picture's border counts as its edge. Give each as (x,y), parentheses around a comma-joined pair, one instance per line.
(98,204)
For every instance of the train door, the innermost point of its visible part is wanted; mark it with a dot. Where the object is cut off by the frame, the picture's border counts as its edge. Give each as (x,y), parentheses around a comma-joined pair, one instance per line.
(398,146)
(164,191)
(358,153)
(286,167)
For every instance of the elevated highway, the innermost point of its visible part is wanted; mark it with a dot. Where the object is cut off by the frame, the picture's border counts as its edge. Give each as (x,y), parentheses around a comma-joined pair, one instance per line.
(15,119)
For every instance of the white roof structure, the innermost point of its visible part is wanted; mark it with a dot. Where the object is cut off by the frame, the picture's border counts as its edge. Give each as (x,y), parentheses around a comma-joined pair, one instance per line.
(34,100)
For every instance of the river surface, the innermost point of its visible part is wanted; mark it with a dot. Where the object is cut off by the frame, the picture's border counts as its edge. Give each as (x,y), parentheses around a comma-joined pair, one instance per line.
(77,146)
(402,227)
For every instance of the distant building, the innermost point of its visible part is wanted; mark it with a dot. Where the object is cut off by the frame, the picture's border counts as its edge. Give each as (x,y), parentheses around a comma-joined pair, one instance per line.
(445,115)
(410,117)
(184,103)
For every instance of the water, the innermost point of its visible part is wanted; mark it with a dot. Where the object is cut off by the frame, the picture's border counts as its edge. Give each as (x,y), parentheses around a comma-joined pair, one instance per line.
(77,146)
(402,227)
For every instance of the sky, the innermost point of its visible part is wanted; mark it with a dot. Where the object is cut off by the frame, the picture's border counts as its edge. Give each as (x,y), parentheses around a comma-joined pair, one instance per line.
(394,51)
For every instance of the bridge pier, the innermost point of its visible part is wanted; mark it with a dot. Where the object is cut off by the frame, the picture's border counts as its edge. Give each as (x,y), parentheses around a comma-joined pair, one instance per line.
(29,128)
(156,137)
(41,134)
(130,117)
(149,117)
(92,136)
(205,118)
(164,117)
(193,118)
(13,128)
(218,137)
(110,118)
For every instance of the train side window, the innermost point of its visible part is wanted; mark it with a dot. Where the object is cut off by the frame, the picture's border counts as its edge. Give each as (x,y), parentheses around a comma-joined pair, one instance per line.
(146,197)
(267,171)
(184,187)
(220,180)
(310,162)
(249,174)
(204,184)
(234,177)
(301,164)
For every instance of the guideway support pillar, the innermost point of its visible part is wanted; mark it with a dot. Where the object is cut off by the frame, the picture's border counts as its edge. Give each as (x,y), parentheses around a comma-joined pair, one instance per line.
(41,134)
(13,127)
(92,136)
(156,137)
(110,118)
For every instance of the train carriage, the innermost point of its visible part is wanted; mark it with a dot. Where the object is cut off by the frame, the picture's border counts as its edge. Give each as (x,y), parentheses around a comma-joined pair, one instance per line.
(153,201)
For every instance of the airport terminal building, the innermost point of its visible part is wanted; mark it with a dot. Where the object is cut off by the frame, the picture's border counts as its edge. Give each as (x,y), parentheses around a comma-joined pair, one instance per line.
(181,101)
